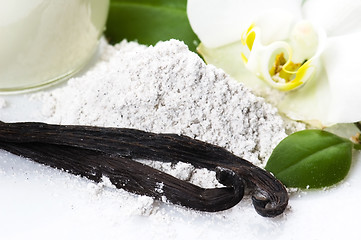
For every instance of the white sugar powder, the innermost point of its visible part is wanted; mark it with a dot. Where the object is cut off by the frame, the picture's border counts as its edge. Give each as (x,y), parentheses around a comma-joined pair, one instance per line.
(168,89)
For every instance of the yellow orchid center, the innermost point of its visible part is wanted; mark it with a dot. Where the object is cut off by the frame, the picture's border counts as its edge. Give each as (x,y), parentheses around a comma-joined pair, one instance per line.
(288,73)
(285,64)
(283,71)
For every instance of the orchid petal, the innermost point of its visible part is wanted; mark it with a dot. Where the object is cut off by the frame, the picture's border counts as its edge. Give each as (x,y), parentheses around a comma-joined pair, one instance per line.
(342,61)
(220,22)
(335,16)
(310,103)
(275,25)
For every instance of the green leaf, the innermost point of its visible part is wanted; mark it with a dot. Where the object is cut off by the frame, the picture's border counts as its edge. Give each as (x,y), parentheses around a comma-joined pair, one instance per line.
(311,159)
(149,21)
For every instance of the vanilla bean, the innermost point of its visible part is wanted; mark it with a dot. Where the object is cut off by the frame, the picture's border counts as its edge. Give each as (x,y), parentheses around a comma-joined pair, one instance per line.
(133,176)
(270,197)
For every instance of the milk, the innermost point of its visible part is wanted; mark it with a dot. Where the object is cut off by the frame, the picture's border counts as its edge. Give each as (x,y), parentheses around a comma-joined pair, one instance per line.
(43,41)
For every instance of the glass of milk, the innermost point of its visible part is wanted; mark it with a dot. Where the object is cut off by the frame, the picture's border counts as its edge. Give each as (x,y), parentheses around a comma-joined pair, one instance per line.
(45,41)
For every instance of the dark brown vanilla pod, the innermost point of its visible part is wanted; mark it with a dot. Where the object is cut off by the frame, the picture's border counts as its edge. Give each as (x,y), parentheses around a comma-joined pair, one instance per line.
(133,176)
(270,197)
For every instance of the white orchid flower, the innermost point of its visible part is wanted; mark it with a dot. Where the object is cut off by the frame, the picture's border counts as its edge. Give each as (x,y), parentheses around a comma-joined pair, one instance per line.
(309,51)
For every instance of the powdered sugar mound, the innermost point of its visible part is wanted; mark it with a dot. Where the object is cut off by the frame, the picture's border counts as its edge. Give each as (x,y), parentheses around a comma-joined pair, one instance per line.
(167,88)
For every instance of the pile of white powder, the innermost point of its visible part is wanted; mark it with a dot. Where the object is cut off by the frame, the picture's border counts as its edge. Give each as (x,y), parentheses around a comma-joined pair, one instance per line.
(168,89)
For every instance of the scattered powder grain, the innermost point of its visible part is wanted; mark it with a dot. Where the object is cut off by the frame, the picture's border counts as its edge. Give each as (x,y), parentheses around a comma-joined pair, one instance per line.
(168,89)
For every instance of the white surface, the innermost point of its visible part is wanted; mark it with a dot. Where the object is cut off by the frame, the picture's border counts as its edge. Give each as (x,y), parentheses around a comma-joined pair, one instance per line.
(38,202)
